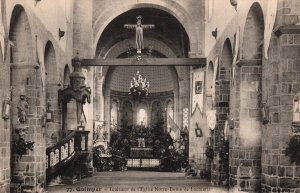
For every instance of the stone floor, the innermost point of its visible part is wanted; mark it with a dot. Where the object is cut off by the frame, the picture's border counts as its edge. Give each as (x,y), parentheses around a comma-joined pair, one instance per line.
(137,181)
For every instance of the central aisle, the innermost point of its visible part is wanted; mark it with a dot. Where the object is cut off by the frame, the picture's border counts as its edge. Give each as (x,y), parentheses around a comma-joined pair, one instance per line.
(137,181)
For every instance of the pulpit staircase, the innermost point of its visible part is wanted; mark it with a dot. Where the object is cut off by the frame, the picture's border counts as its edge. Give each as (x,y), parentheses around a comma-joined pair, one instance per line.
(69,158)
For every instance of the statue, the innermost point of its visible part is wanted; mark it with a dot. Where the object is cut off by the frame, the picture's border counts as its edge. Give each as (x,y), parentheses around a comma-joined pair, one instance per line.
(139,39)
(141,142)
(22,109)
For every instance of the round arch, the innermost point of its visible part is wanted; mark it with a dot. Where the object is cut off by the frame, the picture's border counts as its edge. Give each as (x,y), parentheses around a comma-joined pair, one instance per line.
(50,63)
(226,60)
(172,8)
(26,80)
(253,36)
(11,17)
(67,73)
(222,104)
(51,88)
(248,124)
(24,46)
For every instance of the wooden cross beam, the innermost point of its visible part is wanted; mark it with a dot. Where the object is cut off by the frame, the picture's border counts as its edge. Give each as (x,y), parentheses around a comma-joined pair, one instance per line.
(197,62)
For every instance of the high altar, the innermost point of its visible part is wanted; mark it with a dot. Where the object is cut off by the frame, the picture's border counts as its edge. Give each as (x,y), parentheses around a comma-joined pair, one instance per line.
(141,145)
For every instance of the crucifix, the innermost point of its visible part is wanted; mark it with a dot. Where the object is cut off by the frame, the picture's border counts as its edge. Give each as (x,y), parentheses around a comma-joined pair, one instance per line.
(139,40)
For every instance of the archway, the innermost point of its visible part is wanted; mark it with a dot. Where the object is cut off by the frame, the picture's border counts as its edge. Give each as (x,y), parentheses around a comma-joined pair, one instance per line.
(66,76)
(28,100)
(222,102)
(53,122)
(161,42)
(116,41)
(248,119)
(172,8)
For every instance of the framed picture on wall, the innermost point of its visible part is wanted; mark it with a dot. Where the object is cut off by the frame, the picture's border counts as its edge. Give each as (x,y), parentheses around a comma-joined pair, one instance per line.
(198,87)
(198,132)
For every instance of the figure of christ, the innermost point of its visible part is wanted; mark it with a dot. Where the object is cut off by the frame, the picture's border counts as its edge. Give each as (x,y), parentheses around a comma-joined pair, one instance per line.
(139,28)
(22,109)
(141,142)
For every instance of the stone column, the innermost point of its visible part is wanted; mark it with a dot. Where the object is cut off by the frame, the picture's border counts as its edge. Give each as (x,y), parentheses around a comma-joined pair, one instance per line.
(281,74)
(280,85)
(245,147)
(28,167)
(83,28)
(5,130)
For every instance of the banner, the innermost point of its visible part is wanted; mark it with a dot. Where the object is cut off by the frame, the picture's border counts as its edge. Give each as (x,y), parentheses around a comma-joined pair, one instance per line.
(40,61)
(216,66)
(171,123)
(211,119)
(173,128)
(198,84)
(185,117)
(269,25)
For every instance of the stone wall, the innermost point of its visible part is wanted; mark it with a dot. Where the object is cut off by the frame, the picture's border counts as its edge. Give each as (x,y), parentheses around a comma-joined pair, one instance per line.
(280,85)
(5,129)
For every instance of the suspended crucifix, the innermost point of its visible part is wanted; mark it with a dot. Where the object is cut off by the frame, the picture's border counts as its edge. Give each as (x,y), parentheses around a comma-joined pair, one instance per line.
(139,40)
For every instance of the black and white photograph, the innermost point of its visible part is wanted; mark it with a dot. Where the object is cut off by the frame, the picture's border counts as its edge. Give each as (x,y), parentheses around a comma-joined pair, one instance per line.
(149,96)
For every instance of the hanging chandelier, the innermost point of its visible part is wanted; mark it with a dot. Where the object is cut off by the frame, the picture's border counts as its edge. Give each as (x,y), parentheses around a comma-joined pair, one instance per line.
(138,86)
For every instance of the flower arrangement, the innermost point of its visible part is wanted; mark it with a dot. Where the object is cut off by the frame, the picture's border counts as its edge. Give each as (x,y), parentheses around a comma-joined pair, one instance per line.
(21,146)
(293,149)
(138,86)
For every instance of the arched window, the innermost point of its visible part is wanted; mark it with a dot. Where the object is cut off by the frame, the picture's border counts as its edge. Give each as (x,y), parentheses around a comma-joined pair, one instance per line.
(170,115)
(114,115)
(142,117)
(66,76)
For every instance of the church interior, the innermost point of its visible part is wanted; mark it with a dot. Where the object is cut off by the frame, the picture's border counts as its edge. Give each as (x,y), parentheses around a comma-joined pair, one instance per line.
(206,91)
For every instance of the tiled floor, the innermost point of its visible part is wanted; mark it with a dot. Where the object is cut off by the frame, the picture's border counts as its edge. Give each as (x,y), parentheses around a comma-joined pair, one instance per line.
(137,181)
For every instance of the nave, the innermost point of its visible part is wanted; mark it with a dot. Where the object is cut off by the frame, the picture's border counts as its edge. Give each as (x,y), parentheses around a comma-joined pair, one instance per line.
(90,89)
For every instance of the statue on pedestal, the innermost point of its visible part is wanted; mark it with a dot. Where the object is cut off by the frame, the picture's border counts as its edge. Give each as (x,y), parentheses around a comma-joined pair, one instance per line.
(22,109)
(21,146)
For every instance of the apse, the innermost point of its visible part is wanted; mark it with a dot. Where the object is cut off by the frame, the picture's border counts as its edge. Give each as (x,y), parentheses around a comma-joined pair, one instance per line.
(163,87)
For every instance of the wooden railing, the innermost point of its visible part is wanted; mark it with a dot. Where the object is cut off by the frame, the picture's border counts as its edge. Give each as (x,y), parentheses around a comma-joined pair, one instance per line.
(60,153)
(66,150)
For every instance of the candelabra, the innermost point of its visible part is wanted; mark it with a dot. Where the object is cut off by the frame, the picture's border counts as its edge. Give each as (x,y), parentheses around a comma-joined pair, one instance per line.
(138,86)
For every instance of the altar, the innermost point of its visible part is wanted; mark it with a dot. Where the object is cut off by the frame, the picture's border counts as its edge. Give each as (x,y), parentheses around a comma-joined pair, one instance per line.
(141,152)
(142,158)
(142,147)
(145,163)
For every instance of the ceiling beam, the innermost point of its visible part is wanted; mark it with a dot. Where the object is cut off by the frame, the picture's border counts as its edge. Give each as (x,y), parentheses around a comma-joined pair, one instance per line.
(199,62)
